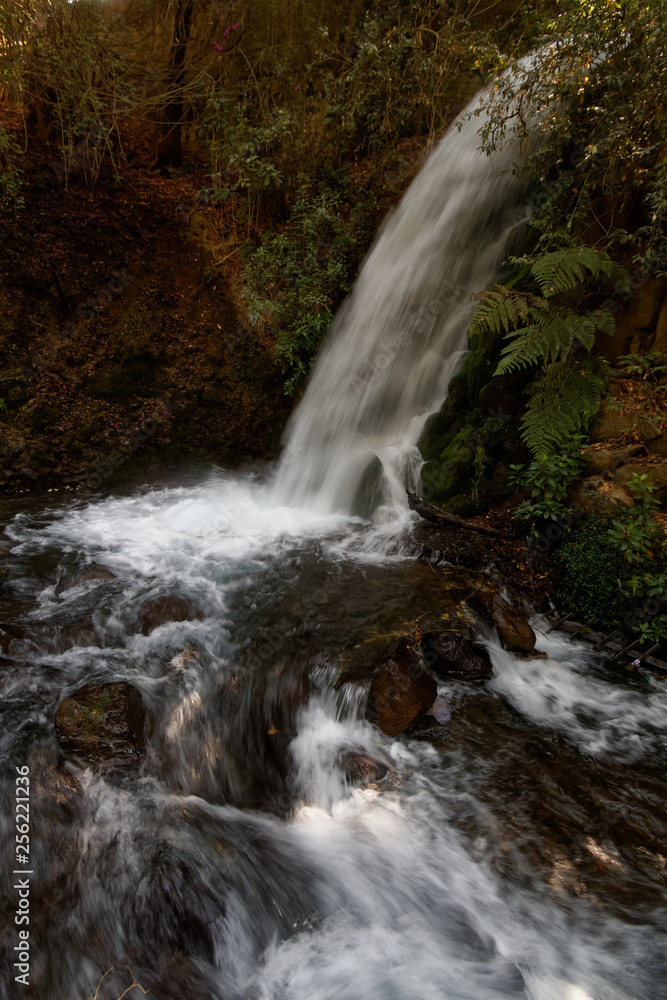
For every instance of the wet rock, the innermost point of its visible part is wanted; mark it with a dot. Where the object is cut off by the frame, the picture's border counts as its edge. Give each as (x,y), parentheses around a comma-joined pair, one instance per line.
(162,610)
(362,769)
(401,691)
(536,654)
(79,577)
(81,635)
(103,722)
(513,630)
(452,655)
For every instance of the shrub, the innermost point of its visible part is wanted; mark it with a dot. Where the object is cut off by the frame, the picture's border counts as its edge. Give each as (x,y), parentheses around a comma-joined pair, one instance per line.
(296,277)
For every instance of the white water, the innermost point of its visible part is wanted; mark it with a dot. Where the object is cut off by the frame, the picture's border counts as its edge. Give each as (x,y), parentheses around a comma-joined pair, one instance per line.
(396,343)
(359,894)
(356,894)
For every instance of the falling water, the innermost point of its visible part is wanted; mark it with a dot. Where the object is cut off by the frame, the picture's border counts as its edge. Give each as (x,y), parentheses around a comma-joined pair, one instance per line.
(401,336)
(515,852)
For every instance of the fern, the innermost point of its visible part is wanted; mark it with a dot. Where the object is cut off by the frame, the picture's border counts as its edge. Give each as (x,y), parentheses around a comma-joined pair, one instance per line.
(563,270)
(563,400)
(540,331)
(551,336)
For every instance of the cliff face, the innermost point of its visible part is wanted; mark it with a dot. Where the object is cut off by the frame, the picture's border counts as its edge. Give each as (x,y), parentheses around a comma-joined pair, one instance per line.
(119,349)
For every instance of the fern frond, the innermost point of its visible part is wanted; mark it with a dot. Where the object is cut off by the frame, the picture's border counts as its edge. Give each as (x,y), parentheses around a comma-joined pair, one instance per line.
(502,310)
(563,270)
(563,401)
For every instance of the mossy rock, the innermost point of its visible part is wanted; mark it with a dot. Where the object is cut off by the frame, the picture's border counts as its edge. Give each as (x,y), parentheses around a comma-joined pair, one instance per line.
(103,722)
(369,494)
(462,399)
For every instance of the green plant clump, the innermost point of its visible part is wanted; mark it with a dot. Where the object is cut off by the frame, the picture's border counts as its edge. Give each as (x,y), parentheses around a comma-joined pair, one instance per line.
(295,277)
(592,570)
(547,479)
(615,568)
(544,332)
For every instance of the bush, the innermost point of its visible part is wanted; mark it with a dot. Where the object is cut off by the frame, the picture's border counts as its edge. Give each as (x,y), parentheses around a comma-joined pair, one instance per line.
(592,570)
(296,277)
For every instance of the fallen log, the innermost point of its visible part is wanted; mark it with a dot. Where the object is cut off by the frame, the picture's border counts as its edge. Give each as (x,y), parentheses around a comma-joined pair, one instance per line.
(446,520)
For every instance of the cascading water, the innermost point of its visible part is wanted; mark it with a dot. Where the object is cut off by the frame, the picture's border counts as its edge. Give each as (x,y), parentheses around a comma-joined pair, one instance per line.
(398,340)
(515,852)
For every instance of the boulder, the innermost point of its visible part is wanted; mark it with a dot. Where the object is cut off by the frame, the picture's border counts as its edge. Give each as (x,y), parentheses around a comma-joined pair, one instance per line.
(162,610)
(608,459)
(79,577)
(597,495)
(656,477)
(401,691)
(660,342)
(103,722)
(612,423)
(452,655)
(360,768)
(512,627)
(637,323)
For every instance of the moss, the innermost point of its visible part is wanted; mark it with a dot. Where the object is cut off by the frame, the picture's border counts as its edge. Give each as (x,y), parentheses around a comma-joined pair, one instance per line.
(462,398)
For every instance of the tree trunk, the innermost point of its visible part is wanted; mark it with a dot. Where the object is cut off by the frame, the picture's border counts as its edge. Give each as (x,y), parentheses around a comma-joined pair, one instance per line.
(446,520)
(170,151)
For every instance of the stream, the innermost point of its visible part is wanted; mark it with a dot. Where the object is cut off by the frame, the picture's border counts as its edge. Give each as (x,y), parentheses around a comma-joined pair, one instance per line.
(517,850)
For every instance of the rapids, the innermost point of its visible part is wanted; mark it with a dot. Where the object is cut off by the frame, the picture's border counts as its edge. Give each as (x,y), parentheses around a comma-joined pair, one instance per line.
(517,851)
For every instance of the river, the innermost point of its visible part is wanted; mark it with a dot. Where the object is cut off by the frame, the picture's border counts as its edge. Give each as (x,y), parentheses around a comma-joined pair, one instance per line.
(517,850)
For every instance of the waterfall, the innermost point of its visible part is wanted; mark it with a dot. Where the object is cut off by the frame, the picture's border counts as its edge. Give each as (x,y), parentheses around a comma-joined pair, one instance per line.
(402,334)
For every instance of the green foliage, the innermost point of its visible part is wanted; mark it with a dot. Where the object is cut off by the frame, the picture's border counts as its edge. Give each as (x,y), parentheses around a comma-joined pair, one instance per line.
(636,533)
(543,330)
(547,479)
(591,567)
(480,463)
(295,277)
(564,398)
(615,567)
(399,82)
(647,366)
(65,67)
(593,100)
(242,146)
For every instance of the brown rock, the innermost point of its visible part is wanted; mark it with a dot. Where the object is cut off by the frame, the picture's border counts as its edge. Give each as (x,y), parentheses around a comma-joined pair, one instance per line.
(103,722)
(596,495)
(512,627)
(362,769)
(656,475)
(658,446)
(451,655)
(660,342)
(91,574)
(637,323)
(611,424)
(608,459)
(401,691)
(161,610)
